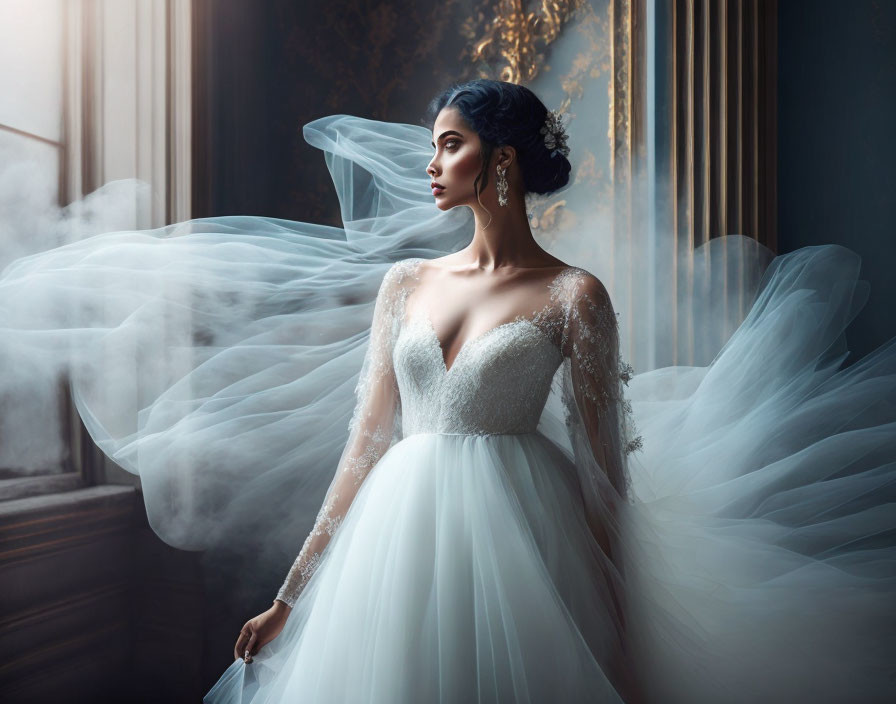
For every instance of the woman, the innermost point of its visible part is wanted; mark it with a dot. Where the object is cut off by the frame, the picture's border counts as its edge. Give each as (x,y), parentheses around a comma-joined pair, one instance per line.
(494,580)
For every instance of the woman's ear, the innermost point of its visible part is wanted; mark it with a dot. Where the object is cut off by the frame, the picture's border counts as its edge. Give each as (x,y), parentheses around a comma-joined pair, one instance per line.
(506,156)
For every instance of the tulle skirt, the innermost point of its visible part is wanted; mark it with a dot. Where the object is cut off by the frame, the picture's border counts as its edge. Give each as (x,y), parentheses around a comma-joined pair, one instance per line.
(462,572)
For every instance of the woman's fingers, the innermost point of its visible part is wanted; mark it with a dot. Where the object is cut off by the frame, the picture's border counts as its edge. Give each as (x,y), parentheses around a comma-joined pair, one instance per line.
(240,647)
(250,647)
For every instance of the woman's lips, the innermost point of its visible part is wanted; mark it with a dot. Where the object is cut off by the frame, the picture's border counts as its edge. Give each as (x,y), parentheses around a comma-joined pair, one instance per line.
(437,190)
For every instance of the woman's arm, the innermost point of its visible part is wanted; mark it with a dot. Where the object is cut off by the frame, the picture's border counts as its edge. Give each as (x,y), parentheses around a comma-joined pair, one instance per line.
(371,432)
(597,410)
(598,419)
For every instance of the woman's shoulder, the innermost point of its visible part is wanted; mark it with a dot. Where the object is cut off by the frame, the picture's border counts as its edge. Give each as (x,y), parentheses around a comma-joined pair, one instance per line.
(401,270)
(574,283)
(449,262)
(568,281)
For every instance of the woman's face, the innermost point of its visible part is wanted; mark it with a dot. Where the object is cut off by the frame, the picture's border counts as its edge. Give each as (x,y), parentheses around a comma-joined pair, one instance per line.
(456,162)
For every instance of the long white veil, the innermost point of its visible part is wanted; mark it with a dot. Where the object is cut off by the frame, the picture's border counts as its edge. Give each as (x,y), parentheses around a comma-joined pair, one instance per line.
(217,358)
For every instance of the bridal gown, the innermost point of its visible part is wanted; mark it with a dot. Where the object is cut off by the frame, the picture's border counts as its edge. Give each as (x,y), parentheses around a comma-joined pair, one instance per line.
(453,563)
(536,522)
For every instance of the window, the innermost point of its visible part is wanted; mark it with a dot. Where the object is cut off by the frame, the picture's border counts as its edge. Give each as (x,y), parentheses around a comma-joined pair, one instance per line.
(91,92)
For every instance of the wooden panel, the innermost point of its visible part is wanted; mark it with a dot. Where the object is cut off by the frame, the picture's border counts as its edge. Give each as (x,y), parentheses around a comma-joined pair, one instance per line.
(94,603)
(66,565)
(723,142)
(627,158)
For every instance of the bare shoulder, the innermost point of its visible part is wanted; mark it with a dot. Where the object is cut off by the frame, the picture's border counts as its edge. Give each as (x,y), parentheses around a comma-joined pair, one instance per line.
(549,267)
(440,265)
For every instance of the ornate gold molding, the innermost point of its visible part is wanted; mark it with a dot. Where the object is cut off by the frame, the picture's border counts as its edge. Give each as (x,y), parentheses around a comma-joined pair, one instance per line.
(508,34)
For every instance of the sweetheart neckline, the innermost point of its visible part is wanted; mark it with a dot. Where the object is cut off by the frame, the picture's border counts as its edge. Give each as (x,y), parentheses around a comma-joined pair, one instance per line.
(423,317)
(521,318)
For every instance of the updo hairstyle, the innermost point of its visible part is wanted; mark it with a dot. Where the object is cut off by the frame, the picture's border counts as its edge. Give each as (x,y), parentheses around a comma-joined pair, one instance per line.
(503,113)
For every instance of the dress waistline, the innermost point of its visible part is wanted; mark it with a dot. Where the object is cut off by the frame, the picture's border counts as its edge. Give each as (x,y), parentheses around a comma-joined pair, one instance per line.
(471,434)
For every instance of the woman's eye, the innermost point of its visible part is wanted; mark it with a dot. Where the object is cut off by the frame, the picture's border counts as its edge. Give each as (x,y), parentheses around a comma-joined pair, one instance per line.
(449,142)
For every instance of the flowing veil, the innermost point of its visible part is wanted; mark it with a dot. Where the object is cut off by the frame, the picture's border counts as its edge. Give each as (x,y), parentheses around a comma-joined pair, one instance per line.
(218,359)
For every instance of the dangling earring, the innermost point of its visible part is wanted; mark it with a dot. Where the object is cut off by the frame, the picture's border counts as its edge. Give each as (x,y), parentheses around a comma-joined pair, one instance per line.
(501,186)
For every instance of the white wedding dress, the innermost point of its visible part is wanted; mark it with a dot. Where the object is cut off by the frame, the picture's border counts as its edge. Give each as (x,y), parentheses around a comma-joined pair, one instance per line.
(534,523)
(452,560)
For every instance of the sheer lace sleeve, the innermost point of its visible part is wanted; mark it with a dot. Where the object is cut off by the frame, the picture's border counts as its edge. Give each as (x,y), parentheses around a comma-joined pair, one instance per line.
(598,416)
(374,426)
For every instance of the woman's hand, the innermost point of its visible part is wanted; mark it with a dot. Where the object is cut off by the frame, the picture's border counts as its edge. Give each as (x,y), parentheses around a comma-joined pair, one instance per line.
(260,630)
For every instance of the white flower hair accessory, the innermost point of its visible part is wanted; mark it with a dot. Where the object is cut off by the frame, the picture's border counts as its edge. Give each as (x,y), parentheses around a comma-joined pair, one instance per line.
(554,134)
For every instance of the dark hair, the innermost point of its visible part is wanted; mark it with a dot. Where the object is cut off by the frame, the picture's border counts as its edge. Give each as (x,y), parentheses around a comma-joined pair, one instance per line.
(506,113)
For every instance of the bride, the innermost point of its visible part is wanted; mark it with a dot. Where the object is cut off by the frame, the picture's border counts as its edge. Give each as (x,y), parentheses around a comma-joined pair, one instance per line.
(462,555)
(459,559)
(513,515)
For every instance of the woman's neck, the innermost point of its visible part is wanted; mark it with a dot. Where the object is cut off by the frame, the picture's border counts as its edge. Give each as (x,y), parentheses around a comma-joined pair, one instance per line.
(503,239)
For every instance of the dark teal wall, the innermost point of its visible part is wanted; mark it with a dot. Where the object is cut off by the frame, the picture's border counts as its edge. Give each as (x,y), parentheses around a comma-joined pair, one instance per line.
(264,68)
(837,143)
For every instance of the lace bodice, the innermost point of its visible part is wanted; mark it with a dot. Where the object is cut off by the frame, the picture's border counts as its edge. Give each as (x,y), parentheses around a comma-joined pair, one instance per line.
(480,392)
(499,382)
